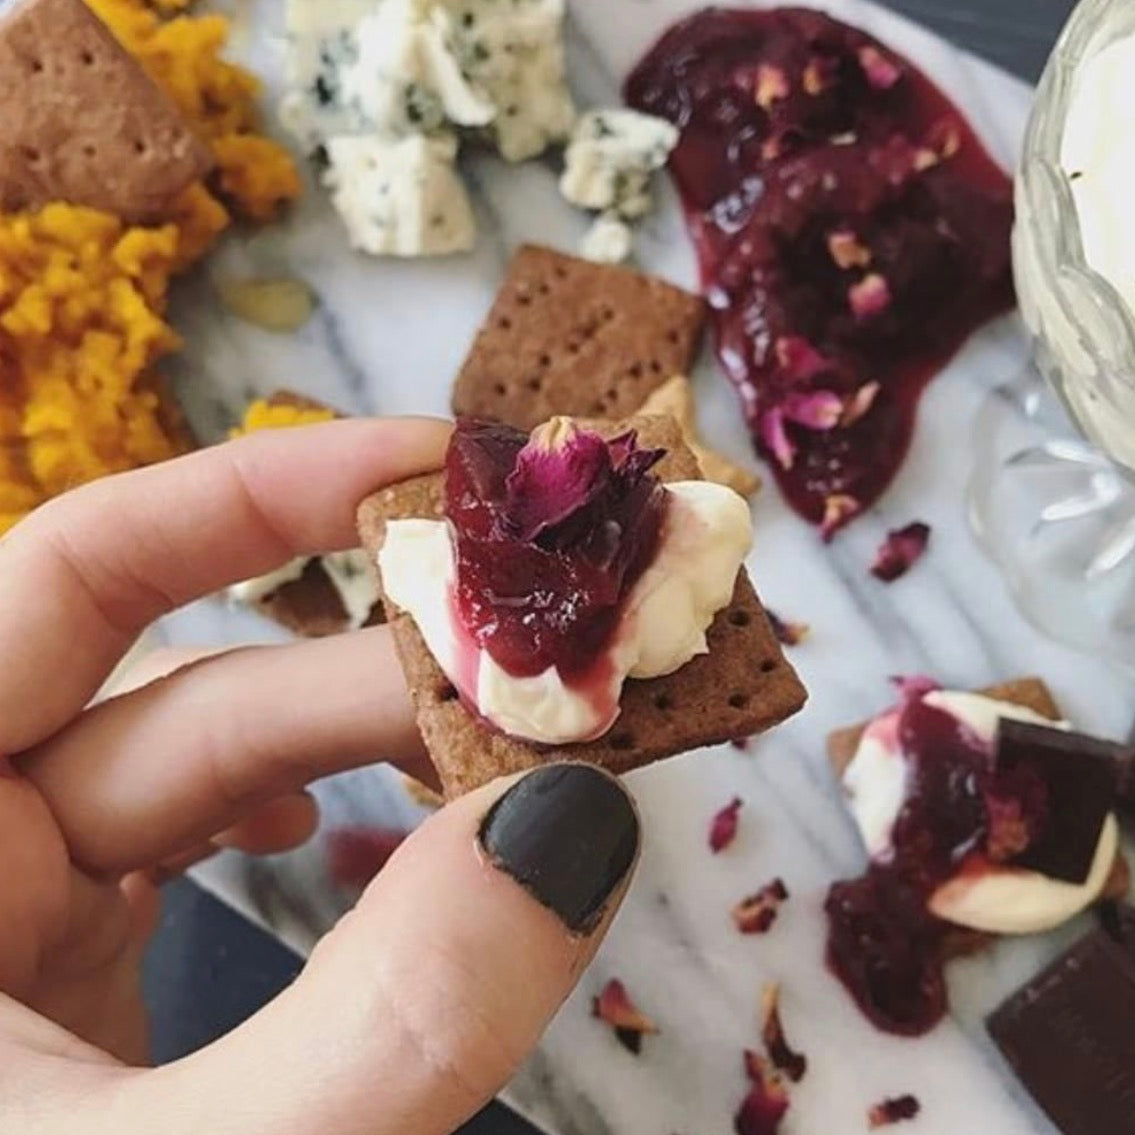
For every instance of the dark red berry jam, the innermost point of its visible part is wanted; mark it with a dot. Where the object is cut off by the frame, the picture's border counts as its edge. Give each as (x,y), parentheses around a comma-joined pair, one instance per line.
(850,228)
(961,816)
(548,542)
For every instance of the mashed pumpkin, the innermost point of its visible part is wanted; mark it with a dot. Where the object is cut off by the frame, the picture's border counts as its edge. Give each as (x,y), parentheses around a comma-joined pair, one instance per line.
(266,414)
(82,296)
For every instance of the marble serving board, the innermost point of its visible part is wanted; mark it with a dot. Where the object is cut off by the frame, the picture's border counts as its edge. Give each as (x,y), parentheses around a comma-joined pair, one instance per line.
(387,338)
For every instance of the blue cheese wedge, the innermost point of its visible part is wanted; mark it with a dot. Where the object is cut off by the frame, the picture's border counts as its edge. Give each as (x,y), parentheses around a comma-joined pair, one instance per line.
(611,158)
(406,76)
(321,46)
(513,50)
(400,196)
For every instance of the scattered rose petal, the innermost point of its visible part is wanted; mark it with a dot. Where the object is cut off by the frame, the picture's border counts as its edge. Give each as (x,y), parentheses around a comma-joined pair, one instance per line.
(912,687)
(355,855)
(814,410)
(772,85)
(871,296)
(839,508)
(893,1111)
(787,634)
(859,403)
(767,1101)
(756,913)
(614,1007)
(723,829)
(793,1064)
(846,250)
(882,73)
(799,358)
(900,551)
(741,744)
(776,438)
(819,75)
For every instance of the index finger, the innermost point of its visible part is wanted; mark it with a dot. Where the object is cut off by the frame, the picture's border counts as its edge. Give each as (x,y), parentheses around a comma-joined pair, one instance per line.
(87,572)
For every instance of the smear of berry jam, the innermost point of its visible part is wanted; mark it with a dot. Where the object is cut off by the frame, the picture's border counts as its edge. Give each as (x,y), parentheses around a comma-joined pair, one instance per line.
(551,534)
(965,814)
(851,232)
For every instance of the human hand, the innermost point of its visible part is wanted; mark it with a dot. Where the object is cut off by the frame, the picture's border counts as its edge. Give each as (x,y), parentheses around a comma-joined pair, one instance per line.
(423,1000)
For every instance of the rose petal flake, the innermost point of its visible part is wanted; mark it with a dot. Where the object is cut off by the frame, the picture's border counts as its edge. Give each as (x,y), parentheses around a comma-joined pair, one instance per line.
(766,1103)
(776,438)
(793,1064)
(355,855)
(756,913)
(614,1007)
(870,297)
(839,509)
(859,404)
(741,744)
(900,551)
(798,358)
(882,73)
(895,1110)
(814,409)
(787,634)
(846,250)
(772,86)
(723,828)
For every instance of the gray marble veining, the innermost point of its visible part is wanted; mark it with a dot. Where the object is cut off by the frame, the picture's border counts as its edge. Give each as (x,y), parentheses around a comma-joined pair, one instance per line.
(387,338)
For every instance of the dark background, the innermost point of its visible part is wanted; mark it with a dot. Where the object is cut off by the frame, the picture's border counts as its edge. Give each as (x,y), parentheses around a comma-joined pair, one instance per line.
(208,969)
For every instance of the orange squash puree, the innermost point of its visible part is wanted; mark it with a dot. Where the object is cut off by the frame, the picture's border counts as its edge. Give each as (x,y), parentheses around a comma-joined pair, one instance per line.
(83,296)
(264,414)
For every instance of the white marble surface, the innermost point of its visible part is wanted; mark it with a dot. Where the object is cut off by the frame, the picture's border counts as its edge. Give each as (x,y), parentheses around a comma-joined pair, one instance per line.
(387,338)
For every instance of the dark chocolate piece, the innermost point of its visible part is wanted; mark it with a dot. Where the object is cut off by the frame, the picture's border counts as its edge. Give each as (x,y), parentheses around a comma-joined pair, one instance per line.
(1070,1037)
(1078,775)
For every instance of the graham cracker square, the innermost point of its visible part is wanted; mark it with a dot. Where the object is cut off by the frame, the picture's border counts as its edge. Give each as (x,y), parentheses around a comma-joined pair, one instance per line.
(567,336)
(80,121)
(743,686)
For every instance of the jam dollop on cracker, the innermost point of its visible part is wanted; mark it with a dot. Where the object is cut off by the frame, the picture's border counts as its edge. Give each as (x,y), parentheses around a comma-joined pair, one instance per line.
(851,232)
(551,533)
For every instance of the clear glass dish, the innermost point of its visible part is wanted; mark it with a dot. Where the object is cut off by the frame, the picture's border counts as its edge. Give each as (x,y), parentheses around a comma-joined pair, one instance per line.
(1053,495)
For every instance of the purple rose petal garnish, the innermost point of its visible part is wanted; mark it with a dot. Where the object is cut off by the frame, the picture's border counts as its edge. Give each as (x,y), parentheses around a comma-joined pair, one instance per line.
(723,829)
(900,551)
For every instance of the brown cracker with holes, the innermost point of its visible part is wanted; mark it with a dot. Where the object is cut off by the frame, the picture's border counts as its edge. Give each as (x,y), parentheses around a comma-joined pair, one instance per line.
(1030,693)
(310,606)
(741,687)
(80,121)
(567,336)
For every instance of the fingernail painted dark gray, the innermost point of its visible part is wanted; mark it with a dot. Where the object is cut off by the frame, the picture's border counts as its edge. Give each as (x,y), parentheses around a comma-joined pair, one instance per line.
(569,835)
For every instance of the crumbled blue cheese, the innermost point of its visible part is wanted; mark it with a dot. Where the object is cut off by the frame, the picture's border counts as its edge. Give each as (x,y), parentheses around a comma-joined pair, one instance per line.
(608,241)
(513,50)
(406,76)
(400,196)
(610,159)
(321,46)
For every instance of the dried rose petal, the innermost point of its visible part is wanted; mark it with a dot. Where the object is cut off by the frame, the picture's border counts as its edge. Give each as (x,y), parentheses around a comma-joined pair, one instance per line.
(793,1064)
(772,85)
(859,403)
(563,469)
(846,250)
(882,73)
(787,634)
(819,75)
(839,508)
(893,1111)
(900,551)
(756,913)
(614,1007)
(356,855)
(767,1101)
(914,687)
(776,438)
(799,358)
(871,296)
(741,744)
(814,410)
(723,829)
